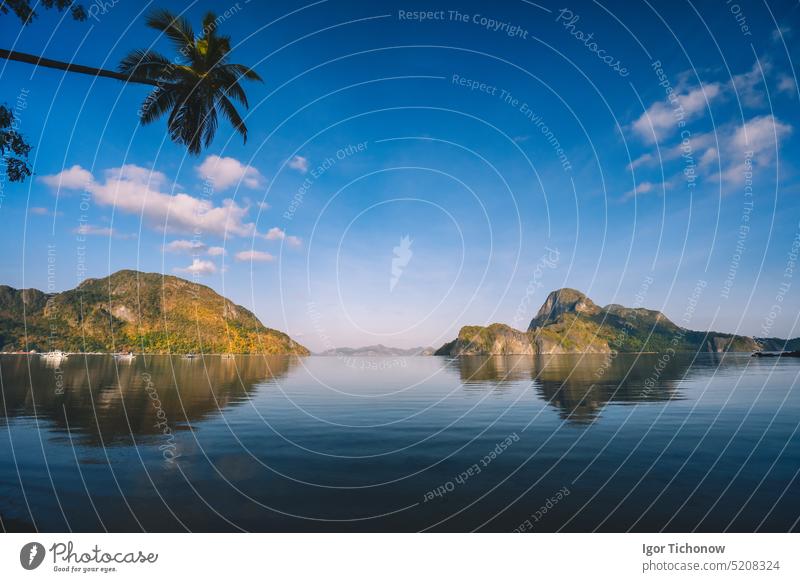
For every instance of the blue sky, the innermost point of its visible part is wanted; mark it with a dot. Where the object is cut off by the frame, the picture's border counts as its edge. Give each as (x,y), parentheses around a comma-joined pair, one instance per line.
(630,152)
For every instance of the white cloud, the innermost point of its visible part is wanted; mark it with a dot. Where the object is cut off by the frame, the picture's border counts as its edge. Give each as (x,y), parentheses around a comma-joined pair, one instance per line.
(185,246)
(256,256)
(92,230)
(709,157)
(42,211)
(749,86)
(276,233)
(193,247)
(761,135)
(781,34)
(641,188)
(198,267)
(264,206)
(139,191)
(74,178)
(786,84)
(299,163)
(662,117)
(225,172)
(693,146)
(643,160)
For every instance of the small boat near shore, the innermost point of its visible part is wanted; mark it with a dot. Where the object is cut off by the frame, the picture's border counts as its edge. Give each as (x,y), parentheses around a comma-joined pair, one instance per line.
(125,357)
(54,356)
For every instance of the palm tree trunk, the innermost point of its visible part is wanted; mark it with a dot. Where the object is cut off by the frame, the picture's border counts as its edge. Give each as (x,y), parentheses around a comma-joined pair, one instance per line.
(43,62)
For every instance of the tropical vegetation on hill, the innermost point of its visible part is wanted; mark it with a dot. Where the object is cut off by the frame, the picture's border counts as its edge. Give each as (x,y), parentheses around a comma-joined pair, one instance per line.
(570,322)
(141,312)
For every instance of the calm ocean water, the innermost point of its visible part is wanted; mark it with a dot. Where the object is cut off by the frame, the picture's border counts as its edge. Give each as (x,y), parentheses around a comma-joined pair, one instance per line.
(706,443)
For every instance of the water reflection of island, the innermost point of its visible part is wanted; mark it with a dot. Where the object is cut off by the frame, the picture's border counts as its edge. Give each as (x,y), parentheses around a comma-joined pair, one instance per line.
(106,402)
(579,386)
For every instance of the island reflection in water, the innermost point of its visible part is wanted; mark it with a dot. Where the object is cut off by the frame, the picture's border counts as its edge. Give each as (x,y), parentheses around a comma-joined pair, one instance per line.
(106,402)
(641,443)
(580,385)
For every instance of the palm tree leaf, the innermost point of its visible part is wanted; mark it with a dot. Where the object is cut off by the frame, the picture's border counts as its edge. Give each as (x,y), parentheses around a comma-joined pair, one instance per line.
(146,64)
(235,90)
(210,126)
(157,104)
(229,83)
(177,28)
(242,71)
(229,111)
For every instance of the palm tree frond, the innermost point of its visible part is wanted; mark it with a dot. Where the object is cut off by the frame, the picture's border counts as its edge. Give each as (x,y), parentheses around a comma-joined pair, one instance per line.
(210,127)
(177,28)
(157,104)
(242,71)
(194,89)
(229,111)
(146,64)
(235,90)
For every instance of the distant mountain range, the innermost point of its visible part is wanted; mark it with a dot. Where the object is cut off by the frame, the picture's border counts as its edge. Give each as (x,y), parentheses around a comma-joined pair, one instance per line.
(379,350)
(570,322)
(141,312)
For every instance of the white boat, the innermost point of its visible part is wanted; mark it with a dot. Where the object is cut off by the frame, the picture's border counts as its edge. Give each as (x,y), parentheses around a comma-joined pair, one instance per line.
(55,355)
(125,357)
(189,356)
(228,356)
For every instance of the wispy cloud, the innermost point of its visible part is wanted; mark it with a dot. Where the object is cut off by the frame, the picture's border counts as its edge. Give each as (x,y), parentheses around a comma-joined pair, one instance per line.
(643,160)
(276,233)
(255,256)
(733,148)
(185,246)
(749,86)
(42,211)
(661,118)
(787,84)
(299,163)
(751,146)
(193,247)
(198,267)
(781,33)
(92,230)
(644,188)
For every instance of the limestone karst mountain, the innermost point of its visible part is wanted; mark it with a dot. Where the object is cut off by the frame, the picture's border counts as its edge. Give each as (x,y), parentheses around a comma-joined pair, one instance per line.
(130,310)
(569,322)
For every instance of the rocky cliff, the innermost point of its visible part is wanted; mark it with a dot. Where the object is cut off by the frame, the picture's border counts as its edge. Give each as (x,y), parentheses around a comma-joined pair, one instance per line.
(570,322)
(141,312)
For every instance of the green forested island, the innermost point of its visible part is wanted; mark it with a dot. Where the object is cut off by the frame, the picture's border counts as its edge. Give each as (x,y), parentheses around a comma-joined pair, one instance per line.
(160,314)
(134,311)
(569,322)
